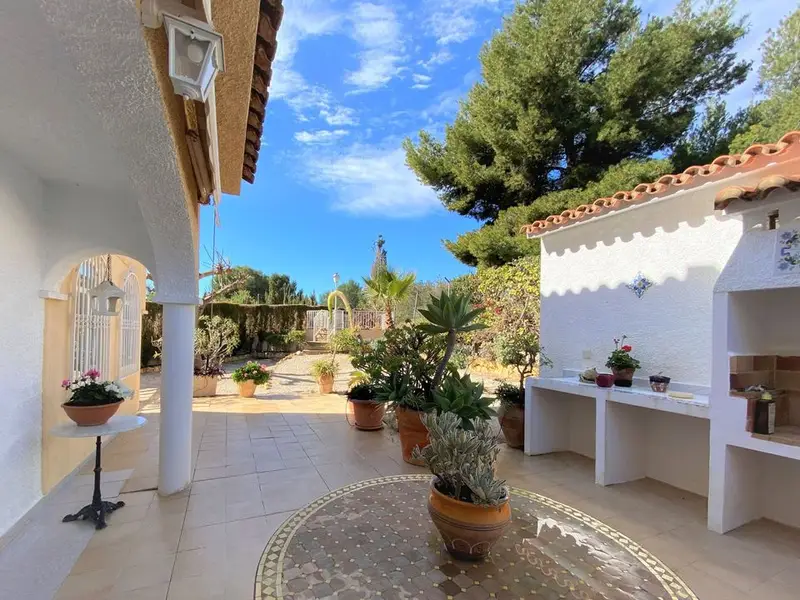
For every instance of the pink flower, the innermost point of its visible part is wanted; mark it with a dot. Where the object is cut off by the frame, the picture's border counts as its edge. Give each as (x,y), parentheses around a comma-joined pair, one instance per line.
(92,374)
(65,384)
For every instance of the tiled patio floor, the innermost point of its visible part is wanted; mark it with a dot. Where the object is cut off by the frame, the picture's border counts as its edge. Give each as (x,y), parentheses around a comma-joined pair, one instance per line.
(257,461)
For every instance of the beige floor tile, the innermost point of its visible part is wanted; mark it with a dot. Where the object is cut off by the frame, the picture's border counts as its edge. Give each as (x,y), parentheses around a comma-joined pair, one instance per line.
(209,561)
(153,592)
(153,572)
(206,587)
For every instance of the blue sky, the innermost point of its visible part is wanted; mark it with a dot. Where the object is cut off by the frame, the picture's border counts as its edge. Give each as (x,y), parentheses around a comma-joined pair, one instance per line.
(351,80)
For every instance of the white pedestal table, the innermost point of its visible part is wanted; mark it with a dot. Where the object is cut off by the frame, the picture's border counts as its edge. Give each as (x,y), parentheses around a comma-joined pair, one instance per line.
(98,509)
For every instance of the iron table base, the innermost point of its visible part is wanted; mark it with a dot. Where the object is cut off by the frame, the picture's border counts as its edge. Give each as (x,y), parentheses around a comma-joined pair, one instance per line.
(96,511)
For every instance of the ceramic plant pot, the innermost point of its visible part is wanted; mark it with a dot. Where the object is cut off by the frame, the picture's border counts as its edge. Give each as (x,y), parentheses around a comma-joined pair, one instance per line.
(204,386)
(512,422)
(247,389)
(325,384)
(468,530)
(87,416)
(659,383)
(623,377)
(604,380)
(412,433)
(368,414)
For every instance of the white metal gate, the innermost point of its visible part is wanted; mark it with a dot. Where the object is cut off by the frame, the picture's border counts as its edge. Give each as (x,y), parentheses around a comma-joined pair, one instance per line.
(318,324)
(130,328)
(91,333)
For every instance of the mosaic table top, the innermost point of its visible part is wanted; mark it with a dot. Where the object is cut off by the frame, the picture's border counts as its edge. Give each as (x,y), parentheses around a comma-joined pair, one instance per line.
(374,539)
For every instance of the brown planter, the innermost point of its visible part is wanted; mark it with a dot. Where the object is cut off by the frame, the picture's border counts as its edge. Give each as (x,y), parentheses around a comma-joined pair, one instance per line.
(623,377)
(87,416)
(468,530)
(368,414)
(412,432)
(325,384)
(247,389)
(512,422)
(204,386)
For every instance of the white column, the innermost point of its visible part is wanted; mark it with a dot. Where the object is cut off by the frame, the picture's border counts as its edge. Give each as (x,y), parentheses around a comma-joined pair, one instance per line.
(177,371)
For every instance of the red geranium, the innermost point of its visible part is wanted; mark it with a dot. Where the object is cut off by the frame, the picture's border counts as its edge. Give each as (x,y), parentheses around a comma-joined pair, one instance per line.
(627,348)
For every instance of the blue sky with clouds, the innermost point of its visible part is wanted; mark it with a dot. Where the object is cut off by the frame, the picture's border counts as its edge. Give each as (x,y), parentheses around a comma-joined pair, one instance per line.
(350,81)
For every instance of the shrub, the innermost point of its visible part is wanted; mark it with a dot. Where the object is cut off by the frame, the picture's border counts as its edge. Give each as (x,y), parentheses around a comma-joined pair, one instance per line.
(252,371)
(509,394)
(361,391)
(463,460)
(346,341)
(324,367)
(519,349)
(215,339)
(358,377)
(295,339)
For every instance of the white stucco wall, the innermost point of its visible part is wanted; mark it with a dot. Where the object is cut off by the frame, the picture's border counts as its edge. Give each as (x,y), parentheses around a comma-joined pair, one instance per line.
(21,323)
(679,244)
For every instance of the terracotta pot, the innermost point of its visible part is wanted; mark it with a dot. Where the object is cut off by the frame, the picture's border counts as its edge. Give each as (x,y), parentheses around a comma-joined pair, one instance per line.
(623,377)
(412,432)
(204,386)
(247,389)
(368,414)
(325,384)
(512,422)
(468,530)
(87,416)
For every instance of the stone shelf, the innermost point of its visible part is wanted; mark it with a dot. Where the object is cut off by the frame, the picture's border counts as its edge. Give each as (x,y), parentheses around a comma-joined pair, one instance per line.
(787,434)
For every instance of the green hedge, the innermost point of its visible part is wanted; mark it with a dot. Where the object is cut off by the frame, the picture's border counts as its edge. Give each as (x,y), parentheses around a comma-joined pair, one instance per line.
(254,320)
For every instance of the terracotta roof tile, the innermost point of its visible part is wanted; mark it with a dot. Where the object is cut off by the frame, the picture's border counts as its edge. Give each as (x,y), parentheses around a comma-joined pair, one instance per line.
(269,20)
(757,155)
(761,190)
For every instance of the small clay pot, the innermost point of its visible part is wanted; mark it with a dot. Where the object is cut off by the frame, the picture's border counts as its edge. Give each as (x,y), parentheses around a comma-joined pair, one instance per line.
(204,386)
(89,416)
(368,414)
(604,380)
(247,389)
(325,384)
(412,432)
(468,530)
(512,422)
(659,383)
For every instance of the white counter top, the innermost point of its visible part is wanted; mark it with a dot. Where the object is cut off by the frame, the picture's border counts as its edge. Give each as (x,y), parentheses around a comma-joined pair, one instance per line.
(643,397)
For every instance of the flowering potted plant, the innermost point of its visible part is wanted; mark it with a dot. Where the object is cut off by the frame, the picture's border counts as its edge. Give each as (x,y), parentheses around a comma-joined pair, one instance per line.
(93,402)
(324,371)
(621,363)
(249,377)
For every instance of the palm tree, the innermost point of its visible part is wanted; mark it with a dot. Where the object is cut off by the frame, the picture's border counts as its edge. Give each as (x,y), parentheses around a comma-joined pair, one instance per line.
(388,287)
(451,314)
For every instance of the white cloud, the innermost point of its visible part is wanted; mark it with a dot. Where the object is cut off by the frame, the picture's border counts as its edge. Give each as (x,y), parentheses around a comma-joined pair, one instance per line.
(454,21)
(420,86)
(377,30)
(321,136)
(436,59)
(420,78)
(373,181)
(339,115)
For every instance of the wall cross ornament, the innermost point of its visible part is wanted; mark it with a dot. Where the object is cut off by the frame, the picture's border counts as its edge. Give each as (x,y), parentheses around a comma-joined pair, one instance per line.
(639,285)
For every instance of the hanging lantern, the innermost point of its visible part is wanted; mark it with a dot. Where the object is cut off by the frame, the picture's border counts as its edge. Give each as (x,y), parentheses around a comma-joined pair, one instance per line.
(107,298)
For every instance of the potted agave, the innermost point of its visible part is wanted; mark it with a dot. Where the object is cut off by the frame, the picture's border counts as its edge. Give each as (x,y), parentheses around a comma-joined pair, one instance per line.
(250,376)
(621,363)
(215,339)
(467,504)
(368,413)
(93,402)
(324,371)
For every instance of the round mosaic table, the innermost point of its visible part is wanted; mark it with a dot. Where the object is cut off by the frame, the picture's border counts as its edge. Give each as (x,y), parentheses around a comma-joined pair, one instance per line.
(374,539)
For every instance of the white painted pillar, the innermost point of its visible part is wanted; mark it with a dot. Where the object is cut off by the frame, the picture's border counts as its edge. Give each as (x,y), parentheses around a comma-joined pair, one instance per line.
(177,372)
(547,420)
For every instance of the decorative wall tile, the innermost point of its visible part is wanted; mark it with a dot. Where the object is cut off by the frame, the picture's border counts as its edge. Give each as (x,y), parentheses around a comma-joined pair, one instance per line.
(787,252)
(639,285)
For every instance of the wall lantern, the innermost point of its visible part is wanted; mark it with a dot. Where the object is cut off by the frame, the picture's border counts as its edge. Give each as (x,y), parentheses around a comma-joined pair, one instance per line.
(195,56)
(106,298)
